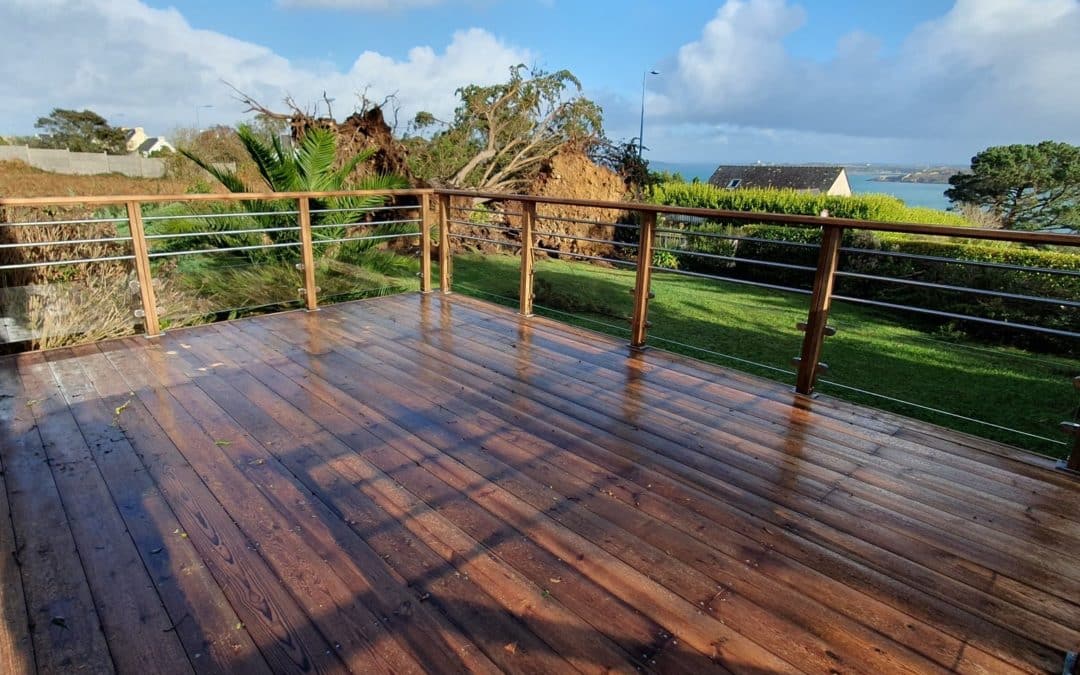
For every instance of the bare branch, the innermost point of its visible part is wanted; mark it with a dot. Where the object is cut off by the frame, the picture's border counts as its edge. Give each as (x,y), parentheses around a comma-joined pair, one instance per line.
(256,107)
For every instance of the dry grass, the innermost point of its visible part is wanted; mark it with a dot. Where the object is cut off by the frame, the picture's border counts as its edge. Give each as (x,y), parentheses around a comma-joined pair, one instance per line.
(69,304)
(96,307)
(21,180)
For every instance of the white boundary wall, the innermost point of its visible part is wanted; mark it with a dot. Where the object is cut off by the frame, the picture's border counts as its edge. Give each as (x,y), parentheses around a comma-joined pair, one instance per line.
(85,163)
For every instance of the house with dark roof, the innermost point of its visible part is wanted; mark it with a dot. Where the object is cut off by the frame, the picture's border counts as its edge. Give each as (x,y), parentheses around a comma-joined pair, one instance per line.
(829,180)
(138,141)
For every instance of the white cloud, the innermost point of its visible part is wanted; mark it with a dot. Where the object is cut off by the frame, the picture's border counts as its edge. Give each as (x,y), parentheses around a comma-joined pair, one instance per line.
(987,71)
(362,5)
(142,66)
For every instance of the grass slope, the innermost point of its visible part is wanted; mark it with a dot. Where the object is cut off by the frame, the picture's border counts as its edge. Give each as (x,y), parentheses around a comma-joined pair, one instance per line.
(736,324)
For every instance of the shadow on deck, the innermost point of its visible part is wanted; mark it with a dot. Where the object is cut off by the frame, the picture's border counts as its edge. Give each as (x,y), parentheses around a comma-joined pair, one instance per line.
(431,483)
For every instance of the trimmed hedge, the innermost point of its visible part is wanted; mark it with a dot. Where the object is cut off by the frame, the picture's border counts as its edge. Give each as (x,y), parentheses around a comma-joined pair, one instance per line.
(771,243)
(861,207)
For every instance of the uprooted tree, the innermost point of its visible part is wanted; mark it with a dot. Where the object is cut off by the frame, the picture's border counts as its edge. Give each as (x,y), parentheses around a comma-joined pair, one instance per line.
(501,135)
(363,131)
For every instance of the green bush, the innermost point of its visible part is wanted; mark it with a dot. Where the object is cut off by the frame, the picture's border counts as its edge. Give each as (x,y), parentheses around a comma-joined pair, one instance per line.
(861,207)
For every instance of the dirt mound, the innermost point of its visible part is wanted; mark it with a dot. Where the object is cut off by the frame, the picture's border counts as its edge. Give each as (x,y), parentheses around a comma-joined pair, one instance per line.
(359,132)
(571,175)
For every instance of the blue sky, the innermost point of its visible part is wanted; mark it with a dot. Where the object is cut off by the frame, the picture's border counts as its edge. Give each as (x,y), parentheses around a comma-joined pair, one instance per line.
(920,81)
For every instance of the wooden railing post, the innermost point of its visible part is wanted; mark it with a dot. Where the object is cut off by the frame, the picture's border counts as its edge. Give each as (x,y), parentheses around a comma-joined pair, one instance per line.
(639,322)
(525,291)
(820,301)
(142,269)
(1072,462)
(425,243)
(444,243)
(307,253)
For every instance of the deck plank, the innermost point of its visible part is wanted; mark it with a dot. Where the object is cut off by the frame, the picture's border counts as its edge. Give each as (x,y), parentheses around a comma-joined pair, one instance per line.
(1014,547)
(472,607)
(850,544)
(433,483)
(411,468)
(288,640)
(931,525)
(201,617)
(135,623)
(64,624)
(460,366)
(16,647)
(807,633)
(679,578)
(766,405)
(215,448)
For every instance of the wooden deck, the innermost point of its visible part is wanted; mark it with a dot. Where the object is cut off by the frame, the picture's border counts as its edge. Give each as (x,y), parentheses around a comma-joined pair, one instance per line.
(428,483)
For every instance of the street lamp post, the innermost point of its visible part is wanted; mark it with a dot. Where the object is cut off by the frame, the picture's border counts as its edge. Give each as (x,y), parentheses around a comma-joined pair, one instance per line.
(641,128)
(198,123)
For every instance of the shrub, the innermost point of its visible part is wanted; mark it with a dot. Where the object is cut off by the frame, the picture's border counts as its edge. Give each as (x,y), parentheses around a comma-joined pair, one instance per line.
(861,207)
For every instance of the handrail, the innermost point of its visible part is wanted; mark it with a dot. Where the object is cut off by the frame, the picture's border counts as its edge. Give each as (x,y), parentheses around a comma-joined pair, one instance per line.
(205,197)
(1022,237)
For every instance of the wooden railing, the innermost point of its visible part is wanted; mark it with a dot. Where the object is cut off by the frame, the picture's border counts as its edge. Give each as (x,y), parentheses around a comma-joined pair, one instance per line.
(435,208)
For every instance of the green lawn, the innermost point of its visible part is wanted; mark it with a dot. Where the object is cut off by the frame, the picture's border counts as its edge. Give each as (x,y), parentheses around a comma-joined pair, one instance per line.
(872,350)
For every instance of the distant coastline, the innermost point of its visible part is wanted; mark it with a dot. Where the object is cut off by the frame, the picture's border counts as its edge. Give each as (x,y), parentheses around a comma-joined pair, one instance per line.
(864,179)
(937,176)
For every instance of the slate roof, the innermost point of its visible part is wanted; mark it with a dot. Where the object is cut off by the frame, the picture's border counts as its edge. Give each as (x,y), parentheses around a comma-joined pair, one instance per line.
(819,178)
(153,143)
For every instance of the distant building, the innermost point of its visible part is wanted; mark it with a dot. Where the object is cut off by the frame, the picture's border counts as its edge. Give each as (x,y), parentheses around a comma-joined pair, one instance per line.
(138,141)
(830,180)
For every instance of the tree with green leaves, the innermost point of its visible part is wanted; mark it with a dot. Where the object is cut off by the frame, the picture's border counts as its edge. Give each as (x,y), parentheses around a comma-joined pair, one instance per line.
(80,131)
(1024,186)
(501,134)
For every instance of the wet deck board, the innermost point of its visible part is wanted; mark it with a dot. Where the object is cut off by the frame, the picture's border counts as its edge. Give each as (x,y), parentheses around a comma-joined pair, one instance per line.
(431,483)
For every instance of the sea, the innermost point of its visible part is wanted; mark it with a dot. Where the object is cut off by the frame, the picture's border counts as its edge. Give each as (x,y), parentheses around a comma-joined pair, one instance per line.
(931,195)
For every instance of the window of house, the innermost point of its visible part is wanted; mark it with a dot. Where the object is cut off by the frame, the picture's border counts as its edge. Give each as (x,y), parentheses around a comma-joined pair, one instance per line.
(734,183)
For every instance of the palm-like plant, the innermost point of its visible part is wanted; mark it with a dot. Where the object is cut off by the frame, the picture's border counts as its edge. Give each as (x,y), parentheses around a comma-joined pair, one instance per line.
(310,167)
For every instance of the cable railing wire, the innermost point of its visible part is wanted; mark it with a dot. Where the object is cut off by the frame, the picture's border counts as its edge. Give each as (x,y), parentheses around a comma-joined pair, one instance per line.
(938,411)
(75,261)
(960,317)
(737,359)
(80,221)
(745,282)
(584,256)
(230,249)
(378,237)
(370,223)
(485,239)
(959,289)
(210,216)
(365,209)
(180,235)
(557,235)
(584,221)
(68,242)
(961,261)
(728,258)
(486,211)
(485,226)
